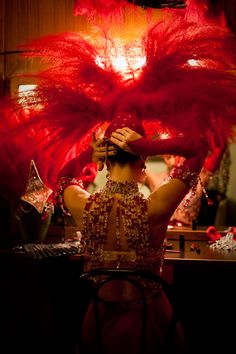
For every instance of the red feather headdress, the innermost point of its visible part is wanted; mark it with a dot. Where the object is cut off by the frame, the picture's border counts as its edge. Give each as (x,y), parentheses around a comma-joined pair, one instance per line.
(186,84)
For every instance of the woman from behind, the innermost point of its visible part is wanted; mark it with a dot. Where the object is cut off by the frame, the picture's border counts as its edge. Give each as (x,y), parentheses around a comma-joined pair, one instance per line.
(122,229)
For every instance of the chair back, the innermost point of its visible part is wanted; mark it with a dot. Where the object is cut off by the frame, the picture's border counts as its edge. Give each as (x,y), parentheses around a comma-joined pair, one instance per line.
(126,286)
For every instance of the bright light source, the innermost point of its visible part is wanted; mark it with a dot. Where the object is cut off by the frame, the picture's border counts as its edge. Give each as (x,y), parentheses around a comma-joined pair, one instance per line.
(127,61)
(26,88)
(26,93)
(193,62)
(27,97)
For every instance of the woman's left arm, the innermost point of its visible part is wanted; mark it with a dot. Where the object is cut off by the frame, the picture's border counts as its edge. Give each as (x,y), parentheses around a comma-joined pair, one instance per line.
(70,191)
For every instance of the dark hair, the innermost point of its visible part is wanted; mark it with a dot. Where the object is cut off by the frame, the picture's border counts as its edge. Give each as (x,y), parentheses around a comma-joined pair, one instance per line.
(123,157)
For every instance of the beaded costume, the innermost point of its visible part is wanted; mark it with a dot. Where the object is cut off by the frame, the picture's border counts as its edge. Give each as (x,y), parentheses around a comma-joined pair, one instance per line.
(116,234)
(132,248)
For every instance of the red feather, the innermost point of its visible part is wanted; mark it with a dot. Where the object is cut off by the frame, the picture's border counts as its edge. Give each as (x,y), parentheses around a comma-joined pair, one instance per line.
(80,90)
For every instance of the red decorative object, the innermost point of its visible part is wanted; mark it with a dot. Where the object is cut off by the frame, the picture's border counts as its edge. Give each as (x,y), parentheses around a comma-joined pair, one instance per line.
(213,234)
(36,192)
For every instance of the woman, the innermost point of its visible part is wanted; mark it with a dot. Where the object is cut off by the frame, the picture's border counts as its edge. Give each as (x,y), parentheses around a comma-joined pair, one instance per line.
(122,229)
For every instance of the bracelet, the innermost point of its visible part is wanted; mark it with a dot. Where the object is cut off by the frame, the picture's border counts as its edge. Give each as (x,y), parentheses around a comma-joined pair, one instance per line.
(189,178)
(63,183)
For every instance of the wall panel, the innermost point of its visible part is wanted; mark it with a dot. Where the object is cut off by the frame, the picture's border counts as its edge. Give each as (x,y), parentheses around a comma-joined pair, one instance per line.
(11,24)
(2,25)
(33,19)
(59,16)
(2,44)
(29,19)
(46,17)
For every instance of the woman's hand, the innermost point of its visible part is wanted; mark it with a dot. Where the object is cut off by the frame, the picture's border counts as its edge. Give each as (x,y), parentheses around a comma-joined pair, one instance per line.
(122,136)
(100,151)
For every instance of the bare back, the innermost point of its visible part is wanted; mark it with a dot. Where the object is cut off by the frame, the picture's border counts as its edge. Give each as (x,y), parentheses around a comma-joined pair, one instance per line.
(116,220)
(121,228)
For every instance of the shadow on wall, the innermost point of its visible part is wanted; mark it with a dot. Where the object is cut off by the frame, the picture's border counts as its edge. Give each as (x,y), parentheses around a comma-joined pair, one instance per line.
(231,212)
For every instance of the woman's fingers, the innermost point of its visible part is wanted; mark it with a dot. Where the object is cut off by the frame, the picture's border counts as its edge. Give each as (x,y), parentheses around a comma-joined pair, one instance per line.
(100,165)
(94,138)
(105,148)
(122,144)
(121,137)
(101,151)
(100,154)
(125,134)
(98,143)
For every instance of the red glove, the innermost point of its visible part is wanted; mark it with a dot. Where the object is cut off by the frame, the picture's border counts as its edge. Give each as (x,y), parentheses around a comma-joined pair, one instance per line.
(189,170)
(89,174)
(173,146)
(212,161)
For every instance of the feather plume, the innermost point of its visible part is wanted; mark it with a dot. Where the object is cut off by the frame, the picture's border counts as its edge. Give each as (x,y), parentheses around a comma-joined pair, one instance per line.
(187,85)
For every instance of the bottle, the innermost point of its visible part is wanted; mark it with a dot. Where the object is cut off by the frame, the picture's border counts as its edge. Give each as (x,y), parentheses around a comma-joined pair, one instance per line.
(181,243)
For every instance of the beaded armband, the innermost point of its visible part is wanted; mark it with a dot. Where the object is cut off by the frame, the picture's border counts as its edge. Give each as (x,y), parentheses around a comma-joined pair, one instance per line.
(63,183)
(184,174)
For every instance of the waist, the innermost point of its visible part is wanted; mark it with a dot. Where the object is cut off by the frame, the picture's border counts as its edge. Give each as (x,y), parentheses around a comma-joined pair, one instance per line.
(129,256)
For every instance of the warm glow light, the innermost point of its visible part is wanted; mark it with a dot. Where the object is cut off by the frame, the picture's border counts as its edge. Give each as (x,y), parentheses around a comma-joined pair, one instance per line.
(120,63)
(26,88)
(127,61)
(26,91)
(193,62)
(128,66)
(27,96)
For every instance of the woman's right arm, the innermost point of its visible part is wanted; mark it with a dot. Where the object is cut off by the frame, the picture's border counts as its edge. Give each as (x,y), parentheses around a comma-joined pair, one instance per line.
(133,142)
(164,200)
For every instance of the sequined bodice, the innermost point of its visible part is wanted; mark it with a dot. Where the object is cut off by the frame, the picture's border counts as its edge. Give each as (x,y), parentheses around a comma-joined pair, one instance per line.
(116,229)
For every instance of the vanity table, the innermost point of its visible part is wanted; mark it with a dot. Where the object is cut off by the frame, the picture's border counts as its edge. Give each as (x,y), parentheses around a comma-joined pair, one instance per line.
(204,280)
(40,298)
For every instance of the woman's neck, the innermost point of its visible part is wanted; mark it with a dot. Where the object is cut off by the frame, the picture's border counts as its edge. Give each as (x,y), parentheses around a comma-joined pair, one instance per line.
(122,174)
